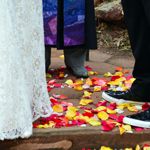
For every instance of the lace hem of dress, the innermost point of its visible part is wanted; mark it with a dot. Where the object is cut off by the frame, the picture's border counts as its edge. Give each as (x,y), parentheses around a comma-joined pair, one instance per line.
(21,132)
(16,133)
(47,111)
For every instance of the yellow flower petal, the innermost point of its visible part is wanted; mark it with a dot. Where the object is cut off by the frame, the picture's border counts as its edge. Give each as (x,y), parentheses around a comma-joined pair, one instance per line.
(110,111)
(85,102)
(61,74)
(115,83)
(132,80)
(101,108)
(132,108)
(94,122)
(48,75)
(108,74)
(122,130)
(89,82)
(121,79)
(90,73)
(105,148)
(70,115)
(45,126)
(58,108)
(79,82)
(40,126)
(78,87)
(51,124)
(71,112)
(123,106)
(125,128)
(119,73)
(72,108)
(97,89)
(81,117)
(69,82)
(103,115)
(87,94)
(137,147)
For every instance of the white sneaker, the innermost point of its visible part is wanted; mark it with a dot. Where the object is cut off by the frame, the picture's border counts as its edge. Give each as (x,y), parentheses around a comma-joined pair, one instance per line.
(141,119)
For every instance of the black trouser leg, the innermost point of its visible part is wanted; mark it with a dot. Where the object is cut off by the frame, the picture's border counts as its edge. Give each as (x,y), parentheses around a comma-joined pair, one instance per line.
(137,17)
(75,59)
(88,55)
(47,57)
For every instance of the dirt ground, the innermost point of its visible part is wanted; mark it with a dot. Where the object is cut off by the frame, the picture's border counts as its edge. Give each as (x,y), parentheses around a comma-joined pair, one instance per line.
(113,40)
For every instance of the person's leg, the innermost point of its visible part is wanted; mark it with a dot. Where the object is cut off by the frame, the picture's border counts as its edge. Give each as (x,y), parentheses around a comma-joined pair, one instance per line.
(137,16)
(139,30)
(74,60)
(47,57)
(88,55)
(141,87)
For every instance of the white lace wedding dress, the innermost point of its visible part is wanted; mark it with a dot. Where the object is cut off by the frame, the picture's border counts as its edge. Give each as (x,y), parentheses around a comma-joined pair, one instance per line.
(23,93)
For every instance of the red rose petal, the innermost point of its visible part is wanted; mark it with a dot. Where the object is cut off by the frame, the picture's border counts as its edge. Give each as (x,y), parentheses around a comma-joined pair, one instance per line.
(107,126)
(89,114)
(101,103)
(138,129)
(113,78)
(145,106)
(112,106)
(120,119)
(88,68)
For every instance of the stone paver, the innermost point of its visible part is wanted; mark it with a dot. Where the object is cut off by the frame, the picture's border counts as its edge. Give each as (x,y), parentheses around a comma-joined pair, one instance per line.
(101,67)
(99,61)
(76,139)
(69,92)
(80,137)
(124,61)
(98,56)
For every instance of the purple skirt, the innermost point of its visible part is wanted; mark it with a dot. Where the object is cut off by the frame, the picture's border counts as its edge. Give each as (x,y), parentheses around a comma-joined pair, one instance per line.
(64,21)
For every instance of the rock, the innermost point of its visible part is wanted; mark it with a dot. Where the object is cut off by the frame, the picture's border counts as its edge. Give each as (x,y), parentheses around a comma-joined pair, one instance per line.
(110,11)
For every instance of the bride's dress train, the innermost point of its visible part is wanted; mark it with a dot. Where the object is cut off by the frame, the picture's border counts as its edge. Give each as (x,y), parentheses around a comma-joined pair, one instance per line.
(23,93)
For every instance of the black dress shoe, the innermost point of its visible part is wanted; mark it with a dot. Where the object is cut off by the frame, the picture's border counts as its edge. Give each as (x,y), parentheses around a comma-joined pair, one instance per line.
(122,97)
(139,120)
